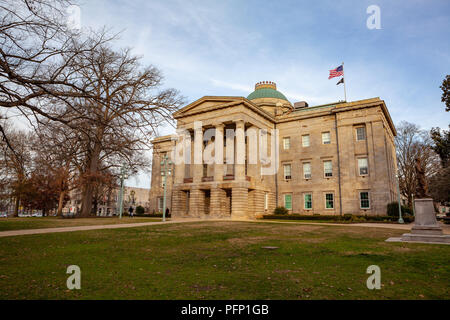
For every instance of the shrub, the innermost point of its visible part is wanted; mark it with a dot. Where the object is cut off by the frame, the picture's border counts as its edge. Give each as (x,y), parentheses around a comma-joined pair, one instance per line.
(342,219)
(348,217)
(392,210)
(281,211)
(140,211)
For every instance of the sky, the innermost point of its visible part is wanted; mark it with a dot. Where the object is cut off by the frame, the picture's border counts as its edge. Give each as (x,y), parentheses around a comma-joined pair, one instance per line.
(225,47)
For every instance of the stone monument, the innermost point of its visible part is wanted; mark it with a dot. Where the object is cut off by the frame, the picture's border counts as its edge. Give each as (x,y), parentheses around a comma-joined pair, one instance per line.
(426,228)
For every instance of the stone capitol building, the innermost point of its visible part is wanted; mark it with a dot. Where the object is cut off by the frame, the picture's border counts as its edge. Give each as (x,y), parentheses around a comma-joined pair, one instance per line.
(331,159)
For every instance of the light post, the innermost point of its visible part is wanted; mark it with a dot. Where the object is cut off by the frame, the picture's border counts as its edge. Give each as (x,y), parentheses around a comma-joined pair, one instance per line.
(123,176)
(413,206)
(164,168)
(400,219)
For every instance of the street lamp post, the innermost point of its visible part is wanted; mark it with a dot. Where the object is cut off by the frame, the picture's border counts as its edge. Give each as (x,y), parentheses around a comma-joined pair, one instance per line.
(400,219)
(166,162)
(123,173)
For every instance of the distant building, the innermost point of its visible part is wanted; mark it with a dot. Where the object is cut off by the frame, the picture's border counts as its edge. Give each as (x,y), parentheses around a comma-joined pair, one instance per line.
(107,206)
(331,159)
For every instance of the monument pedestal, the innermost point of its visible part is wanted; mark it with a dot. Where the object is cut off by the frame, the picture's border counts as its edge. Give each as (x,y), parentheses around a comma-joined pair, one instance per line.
(426,228)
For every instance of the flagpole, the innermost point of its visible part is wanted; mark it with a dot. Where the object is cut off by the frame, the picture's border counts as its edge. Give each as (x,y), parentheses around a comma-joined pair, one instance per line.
(345,89)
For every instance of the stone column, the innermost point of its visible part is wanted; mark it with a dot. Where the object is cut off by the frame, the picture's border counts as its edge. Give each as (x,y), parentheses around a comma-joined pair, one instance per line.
(239,203)
(179,204)
(240,151)
(197,203)
(218,196)
(180,159)
(218,153)
(253,153)
(198,153)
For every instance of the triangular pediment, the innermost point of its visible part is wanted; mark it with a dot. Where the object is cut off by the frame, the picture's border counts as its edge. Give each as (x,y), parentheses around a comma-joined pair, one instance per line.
(209,103)
(204,104)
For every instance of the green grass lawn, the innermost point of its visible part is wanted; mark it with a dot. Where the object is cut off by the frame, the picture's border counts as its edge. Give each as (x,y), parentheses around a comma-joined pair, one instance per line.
(223,260)
(7,224)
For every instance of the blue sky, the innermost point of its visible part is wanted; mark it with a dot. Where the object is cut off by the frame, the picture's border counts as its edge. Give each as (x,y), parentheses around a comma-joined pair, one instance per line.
(225,47)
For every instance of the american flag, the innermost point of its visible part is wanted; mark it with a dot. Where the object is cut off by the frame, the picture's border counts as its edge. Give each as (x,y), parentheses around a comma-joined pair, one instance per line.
(339,71)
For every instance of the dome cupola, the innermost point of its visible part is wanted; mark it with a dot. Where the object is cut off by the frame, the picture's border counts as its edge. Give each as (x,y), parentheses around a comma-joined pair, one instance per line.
(266,89)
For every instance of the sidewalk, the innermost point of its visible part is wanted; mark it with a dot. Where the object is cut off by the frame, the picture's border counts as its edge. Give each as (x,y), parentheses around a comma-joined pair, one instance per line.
(13,233)
(405,227)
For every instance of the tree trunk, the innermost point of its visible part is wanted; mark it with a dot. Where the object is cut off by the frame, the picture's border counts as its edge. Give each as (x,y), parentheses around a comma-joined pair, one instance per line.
(62,195)
(410,201)
(16,207)
(88,191)
(86,202)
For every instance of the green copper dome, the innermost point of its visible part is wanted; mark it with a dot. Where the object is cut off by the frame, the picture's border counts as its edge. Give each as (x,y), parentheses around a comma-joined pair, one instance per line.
(266,89)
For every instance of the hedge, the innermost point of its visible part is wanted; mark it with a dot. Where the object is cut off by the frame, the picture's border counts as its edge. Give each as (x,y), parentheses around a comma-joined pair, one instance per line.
(345,218)
(392,210)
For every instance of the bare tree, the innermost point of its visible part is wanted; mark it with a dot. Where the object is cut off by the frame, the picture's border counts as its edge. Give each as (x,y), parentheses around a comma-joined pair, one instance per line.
(56,153)
(412,143)
(37,50)
(119,122)
(16,162)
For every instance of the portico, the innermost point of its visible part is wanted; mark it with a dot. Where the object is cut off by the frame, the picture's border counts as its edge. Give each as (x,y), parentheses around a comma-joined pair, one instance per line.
(220,182)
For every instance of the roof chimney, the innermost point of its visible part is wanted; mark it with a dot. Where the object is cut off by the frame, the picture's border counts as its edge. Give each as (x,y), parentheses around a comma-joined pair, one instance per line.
(300,105)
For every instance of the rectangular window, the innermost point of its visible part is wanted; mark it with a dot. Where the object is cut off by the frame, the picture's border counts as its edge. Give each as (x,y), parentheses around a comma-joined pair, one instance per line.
(328,169)
(287,172)
(288,201)
(160,204)
(326,138)
(307,170)
(329,200)
(361,133)
(308,201)
(364,200)
(363,166)
(286,143)
(266,201)
(305,141)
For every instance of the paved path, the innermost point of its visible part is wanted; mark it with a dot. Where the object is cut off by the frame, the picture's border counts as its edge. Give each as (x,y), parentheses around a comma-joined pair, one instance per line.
(13,233)
(406,227)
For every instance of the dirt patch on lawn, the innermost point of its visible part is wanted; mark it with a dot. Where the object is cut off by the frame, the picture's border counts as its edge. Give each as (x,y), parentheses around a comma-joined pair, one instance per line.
(247,240)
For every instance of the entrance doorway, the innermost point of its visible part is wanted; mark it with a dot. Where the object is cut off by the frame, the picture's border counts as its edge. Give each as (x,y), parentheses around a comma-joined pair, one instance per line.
(207,201)
(228,202)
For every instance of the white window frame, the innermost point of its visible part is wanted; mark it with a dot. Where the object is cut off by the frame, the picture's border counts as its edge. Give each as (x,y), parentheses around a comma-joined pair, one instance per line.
(325,169)
(266,201)
(287,177)
(327,193)
(287,143)
(160,204)
(359,167)
(360,200)
(292,201)
(310,171)
(328,133)
(365,133)
(303,141)
(304,200)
